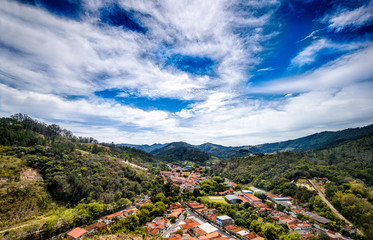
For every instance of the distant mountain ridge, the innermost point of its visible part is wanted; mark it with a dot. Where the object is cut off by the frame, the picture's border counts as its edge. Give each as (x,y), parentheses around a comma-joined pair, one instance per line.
(146,148)
(313,141)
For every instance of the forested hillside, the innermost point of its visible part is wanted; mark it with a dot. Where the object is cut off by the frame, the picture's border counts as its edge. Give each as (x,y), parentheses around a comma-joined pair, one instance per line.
(181,152)
(51,180)
(313,141)
(341,163)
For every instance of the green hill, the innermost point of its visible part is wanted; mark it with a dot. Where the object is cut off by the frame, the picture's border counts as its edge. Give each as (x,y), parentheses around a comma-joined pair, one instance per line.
(180,152)
(314,141)
(51,180)
(348,166)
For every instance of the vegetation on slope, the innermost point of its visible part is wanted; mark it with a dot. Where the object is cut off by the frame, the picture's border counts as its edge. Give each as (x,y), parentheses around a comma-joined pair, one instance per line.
(180,152)
(76,179)
(314,141)
(341,164)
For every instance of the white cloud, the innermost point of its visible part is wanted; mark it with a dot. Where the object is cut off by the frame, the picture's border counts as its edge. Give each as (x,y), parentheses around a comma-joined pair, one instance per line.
(47,57)
(311,35)
(348,69)
(309,54)
(356,18)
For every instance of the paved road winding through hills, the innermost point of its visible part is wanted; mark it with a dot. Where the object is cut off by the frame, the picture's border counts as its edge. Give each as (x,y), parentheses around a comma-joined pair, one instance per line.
(331,206)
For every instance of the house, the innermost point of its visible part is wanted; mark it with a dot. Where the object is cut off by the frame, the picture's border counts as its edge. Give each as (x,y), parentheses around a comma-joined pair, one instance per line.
(153,231)
(247,191)
(160,221)
(175,206)
(244,200)
(305,226)
(154,228)
(306,236)
(232,199)
(224,220)
(232,228)
(208,228)
(212,235)
(242,233)
(175,237)
(76,233)
(315,217)
(176,212)
(112,217)
(253,236)
(252,199)
(199,232)
(195,205)
(257,190)
(98,226)
(128,212)
(206,212)
(212,217)
(189,224)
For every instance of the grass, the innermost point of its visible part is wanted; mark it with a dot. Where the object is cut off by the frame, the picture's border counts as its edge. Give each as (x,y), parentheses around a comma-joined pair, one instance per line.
(206,198)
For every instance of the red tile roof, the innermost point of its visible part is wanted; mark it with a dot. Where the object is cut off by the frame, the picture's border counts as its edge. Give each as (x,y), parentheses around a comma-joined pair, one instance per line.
(252,197)
(243,199)
(153,231)
(177,236)
(77,232)
(117,214)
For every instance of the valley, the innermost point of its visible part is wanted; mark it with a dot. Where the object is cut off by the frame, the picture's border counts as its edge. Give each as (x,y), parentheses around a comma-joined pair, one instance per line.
(55,185)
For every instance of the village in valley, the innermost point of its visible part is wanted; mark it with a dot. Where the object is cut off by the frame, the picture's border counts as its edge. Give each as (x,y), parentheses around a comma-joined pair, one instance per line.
(197,216)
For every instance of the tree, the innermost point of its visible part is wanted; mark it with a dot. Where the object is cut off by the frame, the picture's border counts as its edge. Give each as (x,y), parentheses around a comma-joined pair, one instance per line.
(291,236)
(196,192)
(218,179)
(270,232)
(143,215)
(180,231)
(159,197)
(131,222)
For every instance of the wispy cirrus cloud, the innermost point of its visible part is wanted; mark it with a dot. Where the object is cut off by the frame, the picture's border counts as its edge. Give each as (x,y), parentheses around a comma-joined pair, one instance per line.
(310,54)
(352,19)
(346,70)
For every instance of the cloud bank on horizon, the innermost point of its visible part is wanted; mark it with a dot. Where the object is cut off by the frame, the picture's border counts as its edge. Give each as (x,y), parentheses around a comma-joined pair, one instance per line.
(233,73)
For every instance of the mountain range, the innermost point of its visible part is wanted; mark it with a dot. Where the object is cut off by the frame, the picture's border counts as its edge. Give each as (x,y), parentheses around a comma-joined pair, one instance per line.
(314,141)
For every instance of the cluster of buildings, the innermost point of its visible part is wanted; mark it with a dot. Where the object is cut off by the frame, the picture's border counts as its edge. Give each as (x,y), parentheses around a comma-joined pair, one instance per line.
(225,222)
(195,229)
(303,228)
(175,210)
(244,234)
(100,225)
(157,226)
(208,213)
(182,177)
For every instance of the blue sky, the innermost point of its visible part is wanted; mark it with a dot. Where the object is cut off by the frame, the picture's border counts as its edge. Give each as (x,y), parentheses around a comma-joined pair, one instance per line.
(227,72)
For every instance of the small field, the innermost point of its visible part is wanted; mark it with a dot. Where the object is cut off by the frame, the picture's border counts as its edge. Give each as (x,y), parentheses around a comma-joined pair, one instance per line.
(304,183)
(217,199)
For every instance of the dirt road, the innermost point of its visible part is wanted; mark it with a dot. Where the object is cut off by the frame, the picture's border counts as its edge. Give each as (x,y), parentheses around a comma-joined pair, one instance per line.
(134,165)
(330,205)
